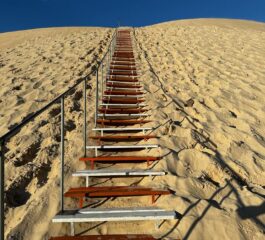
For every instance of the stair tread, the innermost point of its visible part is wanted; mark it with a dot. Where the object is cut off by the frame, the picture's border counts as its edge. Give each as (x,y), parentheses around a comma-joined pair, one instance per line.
(123,137)
(113,191)
(111,158)
(106,237)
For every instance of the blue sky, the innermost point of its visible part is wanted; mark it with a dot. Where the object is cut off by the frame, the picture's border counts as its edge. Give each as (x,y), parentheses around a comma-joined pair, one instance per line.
(27,14)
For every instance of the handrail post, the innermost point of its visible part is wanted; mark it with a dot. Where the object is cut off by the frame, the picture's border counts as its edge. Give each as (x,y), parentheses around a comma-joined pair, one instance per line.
(85,122)
(96,113)
(2,192)
(62,154)
(102,77)
(107,67)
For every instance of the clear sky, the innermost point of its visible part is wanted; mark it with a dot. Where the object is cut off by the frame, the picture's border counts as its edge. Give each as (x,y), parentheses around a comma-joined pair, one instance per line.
(27,14)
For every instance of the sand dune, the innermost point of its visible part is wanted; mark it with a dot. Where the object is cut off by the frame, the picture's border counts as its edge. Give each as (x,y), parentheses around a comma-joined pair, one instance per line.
(205,83)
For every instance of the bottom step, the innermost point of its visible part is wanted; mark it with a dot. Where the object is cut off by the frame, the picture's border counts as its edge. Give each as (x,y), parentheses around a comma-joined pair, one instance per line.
(106,237)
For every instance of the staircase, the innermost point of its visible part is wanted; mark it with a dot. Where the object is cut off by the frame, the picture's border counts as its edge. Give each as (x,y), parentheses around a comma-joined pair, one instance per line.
(120,137)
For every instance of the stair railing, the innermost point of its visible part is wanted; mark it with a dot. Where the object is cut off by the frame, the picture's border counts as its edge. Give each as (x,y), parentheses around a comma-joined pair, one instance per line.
(102,72)
(7,136)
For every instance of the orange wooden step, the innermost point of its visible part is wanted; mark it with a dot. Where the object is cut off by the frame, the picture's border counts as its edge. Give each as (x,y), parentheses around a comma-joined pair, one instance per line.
(123,53)
(119,159)
(122,100)
(120,92)
(114,191)
(120,59)
(123,73)
(121,122)
(123,62)
(122,110)
(123,85)
(123,78)
(124,48)
(124,44)
(106,237)
(114,138)
(128,45)
(128,67)
(123,58)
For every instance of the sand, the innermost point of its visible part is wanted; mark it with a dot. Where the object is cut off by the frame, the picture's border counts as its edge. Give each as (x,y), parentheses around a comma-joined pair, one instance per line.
(205,82)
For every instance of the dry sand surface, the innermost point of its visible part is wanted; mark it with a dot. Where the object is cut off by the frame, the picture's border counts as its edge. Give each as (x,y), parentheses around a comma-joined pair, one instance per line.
(205,83)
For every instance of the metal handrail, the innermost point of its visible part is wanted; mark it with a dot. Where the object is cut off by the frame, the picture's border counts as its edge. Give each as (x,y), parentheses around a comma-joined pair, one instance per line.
(31,117)
(108,56)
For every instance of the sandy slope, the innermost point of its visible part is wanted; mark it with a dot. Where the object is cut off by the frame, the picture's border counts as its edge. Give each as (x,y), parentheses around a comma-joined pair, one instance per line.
(40,64)
(36,66)
(205,85)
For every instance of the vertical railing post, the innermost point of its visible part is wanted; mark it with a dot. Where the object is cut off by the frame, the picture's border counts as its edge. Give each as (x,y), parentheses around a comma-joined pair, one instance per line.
(62,154)
(2,192)
(102,78)
(106,67)
(96,113)
(85,122)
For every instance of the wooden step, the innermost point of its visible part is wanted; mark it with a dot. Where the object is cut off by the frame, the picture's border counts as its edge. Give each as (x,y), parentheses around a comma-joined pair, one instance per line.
(122,59)
(123,55)
(124,43)
(125,78)
(106,237)
(119,159)
(114,191)
(116,79)
(124,48)
(126,63)
(122,100)
(115,138)
(111,76)
(123,52)
(123,64)
(121,73)
(122,85)
(121,122)
(128,67)
(122,110)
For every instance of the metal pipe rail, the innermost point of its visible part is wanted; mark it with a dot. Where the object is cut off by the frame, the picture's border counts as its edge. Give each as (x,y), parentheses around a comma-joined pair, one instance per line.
(60,98)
